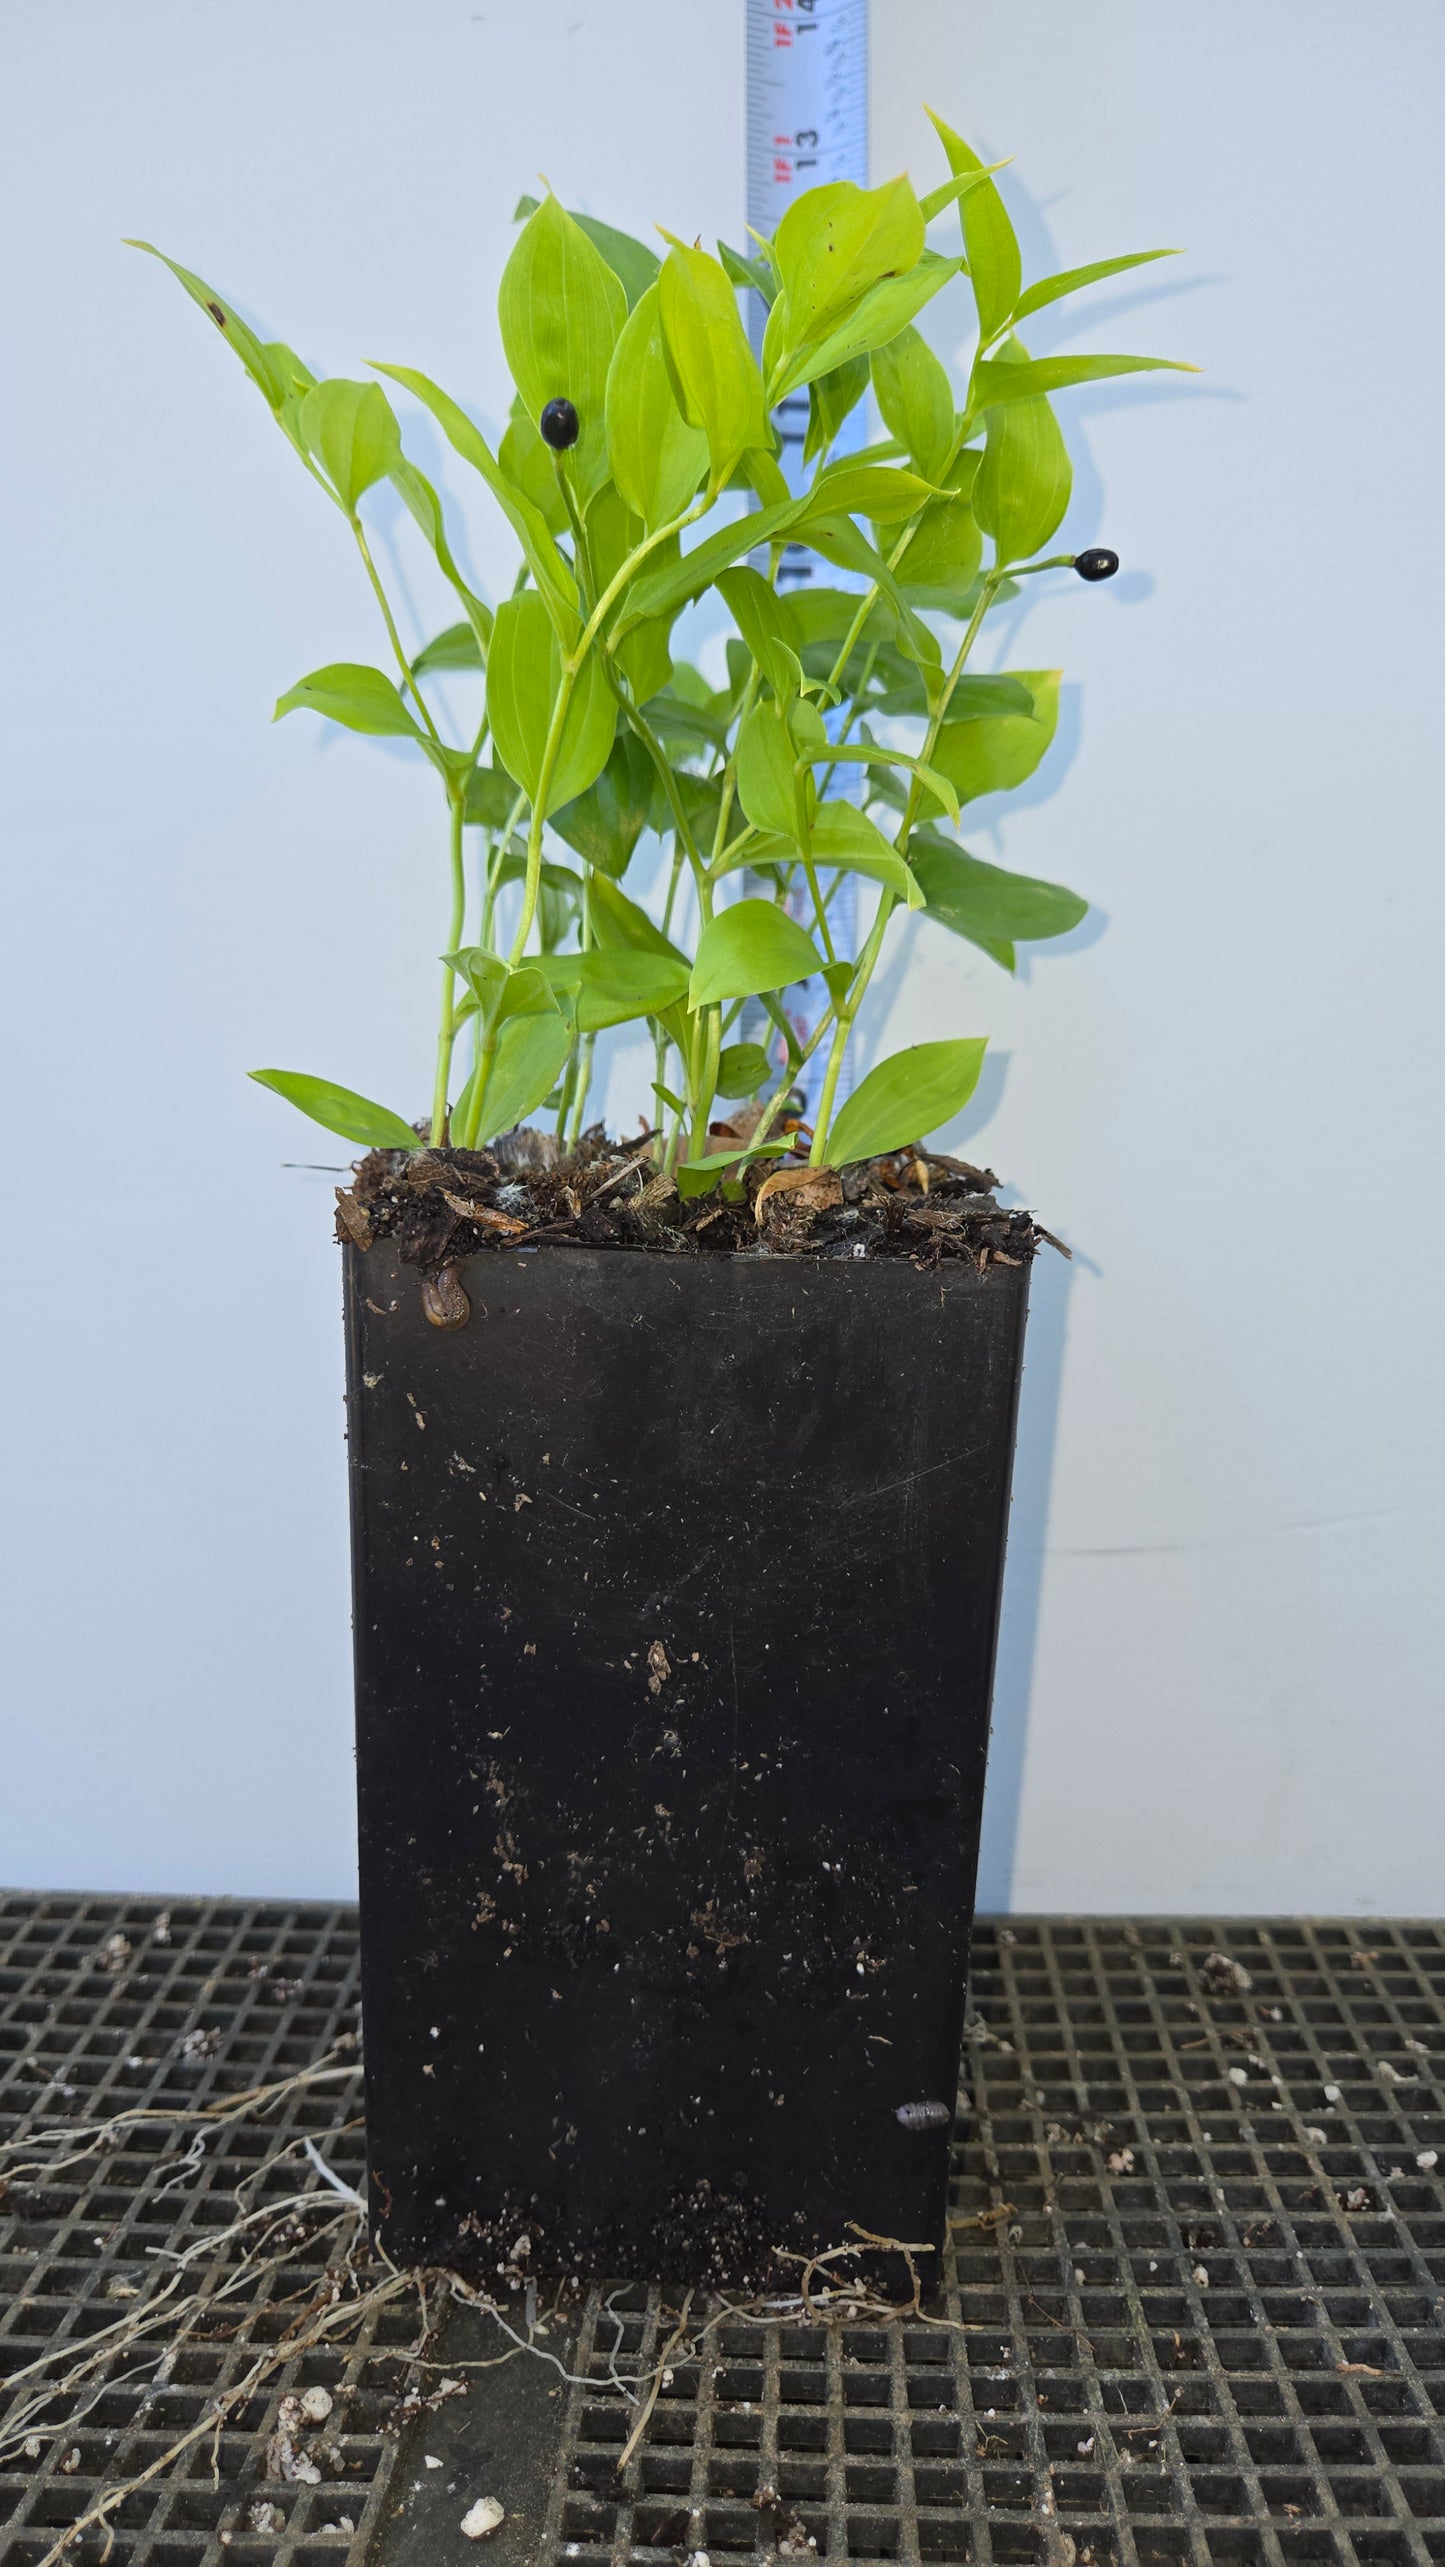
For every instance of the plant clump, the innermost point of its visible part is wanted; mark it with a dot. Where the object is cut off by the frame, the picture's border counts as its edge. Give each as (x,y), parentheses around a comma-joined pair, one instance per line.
(640,475)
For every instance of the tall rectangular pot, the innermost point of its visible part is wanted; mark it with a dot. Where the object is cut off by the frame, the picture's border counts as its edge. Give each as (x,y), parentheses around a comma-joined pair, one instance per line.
(676,1597)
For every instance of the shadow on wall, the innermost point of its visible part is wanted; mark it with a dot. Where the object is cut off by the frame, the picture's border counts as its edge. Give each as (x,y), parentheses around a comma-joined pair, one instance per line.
(1049,1290)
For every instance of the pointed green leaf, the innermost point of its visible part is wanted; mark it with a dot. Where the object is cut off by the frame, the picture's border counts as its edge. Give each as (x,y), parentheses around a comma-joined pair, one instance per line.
(254,356)
(561,310)
(529,1056)
(836,241)
(767,625)
(990,906)
(425,509)
(751,947)
(667,591)
(351,430)
(844,840)
(873,753)
(904,1099)
(883,492)
(657,459)
(340,1109)
(997,380)
(883,312)
(915,398)
(555,582)
(1021,488)
(456,648)
(615,985)
(531,468)
(352,694)
(830,399)
(992,756)
(988,236)
(1070,280)
(742,1069)
(767,784)
(945,550)
(714,372)
(605,823)
(524,681)
(619,922)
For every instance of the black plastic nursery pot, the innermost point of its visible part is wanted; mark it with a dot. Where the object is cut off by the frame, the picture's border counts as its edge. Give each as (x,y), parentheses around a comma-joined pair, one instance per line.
(676,1596)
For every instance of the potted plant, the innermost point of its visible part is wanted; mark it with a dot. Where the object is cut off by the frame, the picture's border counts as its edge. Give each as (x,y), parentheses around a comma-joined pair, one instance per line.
(680,1467)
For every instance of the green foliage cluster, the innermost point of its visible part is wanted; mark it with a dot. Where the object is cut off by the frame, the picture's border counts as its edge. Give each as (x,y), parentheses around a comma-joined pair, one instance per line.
(641,411)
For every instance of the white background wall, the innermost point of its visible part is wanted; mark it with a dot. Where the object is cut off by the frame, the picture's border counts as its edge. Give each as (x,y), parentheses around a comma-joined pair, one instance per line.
(1220,1684)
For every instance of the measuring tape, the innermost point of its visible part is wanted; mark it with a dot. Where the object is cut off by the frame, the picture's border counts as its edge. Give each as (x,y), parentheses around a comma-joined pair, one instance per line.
(807,125)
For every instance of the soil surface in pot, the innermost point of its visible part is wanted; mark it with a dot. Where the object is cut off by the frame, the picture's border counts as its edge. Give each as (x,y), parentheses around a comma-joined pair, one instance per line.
(441,1206)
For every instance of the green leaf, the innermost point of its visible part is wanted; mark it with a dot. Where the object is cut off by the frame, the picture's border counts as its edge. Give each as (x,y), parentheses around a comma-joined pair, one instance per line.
(668,590)
(742,1069)
(830,399)
(613,535)
(352,694)
(530,466)
(615,985)
(992,756)
(425,508)
(751,947)
(883,492)
(835,242)
(879,317)
(619,922)
(977,698)
(555,582)
(524,681)
(491,795)
(258,360)
(754,271)
(714,372)
(351,430)
(699,1176)
(561,310)
(946,549)
(1022,486)
(990,906)
(657,459)
(953,190)
(997,380)
(988,236)
(529,1055)
(905,1098)
(872,753)
(840,541)
(768,787)
(844,840)
(915,398)
(456,648)
(632,262)
(1070,280)
(605,823)
(766,624)
(340,1109)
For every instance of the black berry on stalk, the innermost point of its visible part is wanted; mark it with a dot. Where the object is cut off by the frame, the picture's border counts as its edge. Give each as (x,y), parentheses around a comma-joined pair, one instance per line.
(560,425)
(1097,563)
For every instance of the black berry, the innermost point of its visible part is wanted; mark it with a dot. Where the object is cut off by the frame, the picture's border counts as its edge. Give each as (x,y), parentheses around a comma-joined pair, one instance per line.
(560,426)
(1097,563)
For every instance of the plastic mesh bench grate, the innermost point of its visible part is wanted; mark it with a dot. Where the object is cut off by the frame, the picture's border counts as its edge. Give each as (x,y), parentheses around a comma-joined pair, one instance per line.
(1204,2320)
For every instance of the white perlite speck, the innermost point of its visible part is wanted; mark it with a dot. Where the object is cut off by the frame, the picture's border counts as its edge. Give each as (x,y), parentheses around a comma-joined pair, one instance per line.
(484,2516)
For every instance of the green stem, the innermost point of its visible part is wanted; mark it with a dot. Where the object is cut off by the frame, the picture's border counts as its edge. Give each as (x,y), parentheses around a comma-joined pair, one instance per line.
(393,636)
(550,753)
(867,960)
(446,1032)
